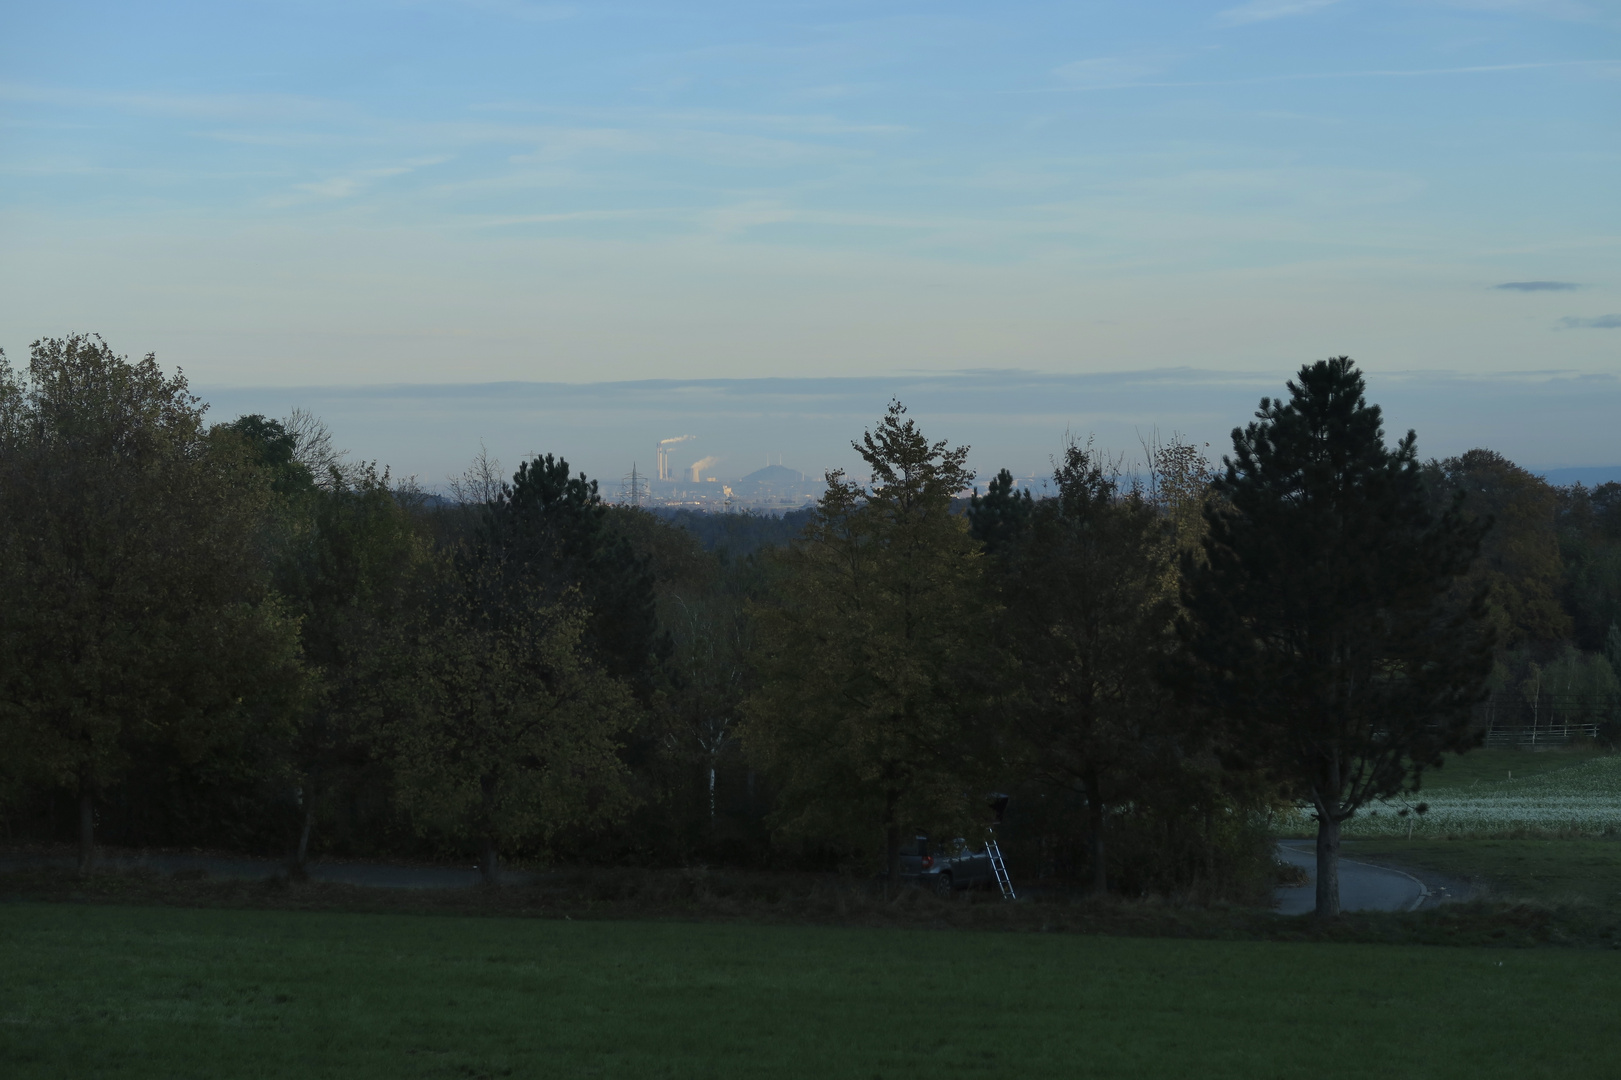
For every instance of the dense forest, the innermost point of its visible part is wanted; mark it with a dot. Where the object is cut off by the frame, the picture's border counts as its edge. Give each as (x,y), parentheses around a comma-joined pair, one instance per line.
(229,636)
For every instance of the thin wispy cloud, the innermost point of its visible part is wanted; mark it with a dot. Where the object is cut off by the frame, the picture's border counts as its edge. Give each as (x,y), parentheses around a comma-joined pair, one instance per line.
(352,184)
(709,146)
(1104,71)
(1552,9)
(1603,67)
(259,107)
(803,123)
(1538,286)
(788,188)
(1266,10)
(516,9)
(1597,322)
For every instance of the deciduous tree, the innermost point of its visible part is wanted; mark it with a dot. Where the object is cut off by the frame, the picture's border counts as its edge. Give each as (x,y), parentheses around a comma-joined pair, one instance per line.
(135,606)
(867,707)
(508,731)
(353,577)
(1519,555)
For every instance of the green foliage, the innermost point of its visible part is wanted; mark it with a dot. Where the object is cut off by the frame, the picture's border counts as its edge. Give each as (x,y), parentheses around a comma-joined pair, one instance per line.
(274,449)
(1590,546)
(1519,556)
(353,572)
(1088,617)
(1111,780)
(505,732)
(739,535)
(1325,627)
(1002,517)
(866,710)
(551,532)
(231,636)
(1580,685)
(136,609)
(707,681)
(1179,482)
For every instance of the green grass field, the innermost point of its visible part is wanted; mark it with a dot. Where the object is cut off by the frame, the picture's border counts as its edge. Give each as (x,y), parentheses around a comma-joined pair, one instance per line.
(1495,766)
(92,990)
(1568,870)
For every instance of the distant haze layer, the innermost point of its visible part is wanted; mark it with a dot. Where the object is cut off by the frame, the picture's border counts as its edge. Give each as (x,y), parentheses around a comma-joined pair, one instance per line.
(1546,421)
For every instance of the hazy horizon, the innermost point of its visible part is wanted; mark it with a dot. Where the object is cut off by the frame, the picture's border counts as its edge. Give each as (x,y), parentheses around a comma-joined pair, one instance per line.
(1011,419)
(312,204)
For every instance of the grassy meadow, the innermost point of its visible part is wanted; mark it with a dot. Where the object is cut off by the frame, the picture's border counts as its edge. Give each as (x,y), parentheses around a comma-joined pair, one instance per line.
(1550,870)
(101,990)
(1538,826)
(1498,766)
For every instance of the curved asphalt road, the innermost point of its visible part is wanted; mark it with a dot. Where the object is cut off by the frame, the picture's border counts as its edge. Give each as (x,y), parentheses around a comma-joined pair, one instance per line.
(1363,887)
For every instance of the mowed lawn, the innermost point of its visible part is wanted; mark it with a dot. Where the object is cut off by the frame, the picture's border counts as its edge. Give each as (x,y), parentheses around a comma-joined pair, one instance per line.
(1500,766)
(1558,870)
(89,990)
(1552,865)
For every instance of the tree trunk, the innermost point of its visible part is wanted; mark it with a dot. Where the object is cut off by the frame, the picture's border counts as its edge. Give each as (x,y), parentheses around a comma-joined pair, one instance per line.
(1094,840)
(892,856)
(1328,865)
(892,841)
(1209,845)
(87,831)
(489,865)
(298,871)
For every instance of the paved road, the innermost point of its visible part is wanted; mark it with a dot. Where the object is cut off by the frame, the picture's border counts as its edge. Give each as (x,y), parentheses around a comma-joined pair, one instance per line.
(1363,886)
(374,874)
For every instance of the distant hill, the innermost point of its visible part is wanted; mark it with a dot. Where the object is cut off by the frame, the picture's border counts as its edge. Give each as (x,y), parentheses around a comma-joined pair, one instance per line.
(775,476)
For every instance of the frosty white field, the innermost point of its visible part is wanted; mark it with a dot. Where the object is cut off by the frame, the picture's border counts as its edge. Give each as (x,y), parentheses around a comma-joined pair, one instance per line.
(1584,798)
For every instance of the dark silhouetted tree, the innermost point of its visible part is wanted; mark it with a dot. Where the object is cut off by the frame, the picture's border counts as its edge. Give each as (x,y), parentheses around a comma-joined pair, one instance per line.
(1001,517)
(1327,626)
(1088,610)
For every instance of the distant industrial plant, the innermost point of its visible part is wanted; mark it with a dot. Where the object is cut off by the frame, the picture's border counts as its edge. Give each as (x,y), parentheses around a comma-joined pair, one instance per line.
(701,486)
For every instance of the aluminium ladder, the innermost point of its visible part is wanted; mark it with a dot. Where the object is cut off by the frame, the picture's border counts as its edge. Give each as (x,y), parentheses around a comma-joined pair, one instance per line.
(999,868)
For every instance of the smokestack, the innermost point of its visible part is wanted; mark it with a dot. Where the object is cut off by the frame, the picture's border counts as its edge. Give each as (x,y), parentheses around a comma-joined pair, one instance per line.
(701,464)
(664,455)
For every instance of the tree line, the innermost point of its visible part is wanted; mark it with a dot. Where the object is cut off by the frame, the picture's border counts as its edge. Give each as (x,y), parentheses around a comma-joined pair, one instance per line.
(229,635)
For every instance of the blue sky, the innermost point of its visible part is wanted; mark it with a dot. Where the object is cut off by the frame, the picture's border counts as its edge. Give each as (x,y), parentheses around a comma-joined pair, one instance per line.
(305,195)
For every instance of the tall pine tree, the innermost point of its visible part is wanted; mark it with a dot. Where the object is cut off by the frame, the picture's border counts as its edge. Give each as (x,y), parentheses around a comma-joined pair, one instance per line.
(1327,625)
